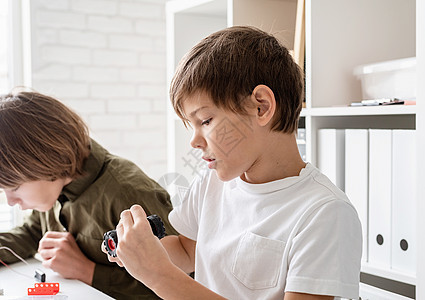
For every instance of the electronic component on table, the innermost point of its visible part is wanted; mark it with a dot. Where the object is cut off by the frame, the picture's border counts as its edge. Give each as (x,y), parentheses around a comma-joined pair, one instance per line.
(40,276)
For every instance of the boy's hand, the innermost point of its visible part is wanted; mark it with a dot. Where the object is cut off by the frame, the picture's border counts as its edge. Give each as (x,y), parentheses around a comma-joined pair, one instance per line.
(111,258)
(141,252)
(61,253)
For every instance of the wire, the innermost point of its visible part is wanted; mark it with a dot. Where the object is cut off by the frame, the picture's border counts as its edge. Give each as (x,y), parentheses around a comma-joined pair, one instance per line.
(13,252)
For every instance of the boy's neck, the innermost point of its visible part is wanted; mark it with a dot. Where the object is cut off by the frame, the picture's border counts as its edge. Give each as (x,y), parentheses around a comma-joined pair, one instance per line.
(280,158)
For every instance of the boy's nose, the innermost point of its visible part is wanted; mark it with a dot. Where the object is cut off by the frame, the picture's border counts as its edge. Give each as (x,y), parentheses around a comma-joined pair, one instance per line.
(12,200)
(197,141)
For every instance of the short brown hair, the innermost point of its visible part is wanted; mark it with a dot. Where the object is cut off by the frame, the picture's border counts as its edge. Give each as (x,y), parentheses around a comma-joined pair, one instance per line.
(230,63)
(40,139)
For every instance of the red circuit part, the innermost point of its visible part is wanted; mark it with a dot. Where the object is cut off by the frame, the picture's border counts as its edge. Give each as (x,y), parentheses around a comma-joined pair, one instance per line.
(44,288)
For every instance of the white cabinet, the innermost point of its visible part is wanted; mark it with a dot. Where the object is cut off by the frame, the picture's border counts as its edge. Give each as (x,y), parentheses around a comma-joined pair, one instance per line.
(420,141)
(340,35)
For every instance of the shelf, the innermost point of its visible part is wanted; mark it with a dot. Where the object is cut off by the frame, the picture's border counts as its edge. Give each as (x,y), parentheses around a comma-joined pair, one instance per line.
(388,273)
(199,7)
(359,111)
(371,292)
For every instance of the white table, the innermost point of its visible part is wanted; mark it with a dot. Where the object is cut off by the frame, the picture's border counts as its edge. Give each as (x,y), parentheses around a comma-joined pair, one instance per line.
(15,285)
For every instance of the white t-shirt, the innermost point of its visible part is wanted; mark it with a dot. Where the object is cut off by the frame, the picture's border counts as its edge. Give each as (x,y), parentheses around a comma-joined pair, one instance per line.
(258,241)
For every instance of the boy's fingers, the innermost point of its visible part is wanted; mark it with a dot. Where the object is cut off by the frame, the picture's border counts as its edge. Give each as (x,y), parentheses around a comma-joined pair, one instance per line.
(47,253)
(55,234)
(137,213)
(120,230)
(46,243)
(126,220)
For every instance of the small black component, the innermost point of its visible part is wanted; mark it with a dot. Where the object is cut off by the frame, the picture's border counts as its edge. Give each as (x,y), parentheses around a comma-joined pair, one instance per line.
(40,276)
(157,226)
(110,238)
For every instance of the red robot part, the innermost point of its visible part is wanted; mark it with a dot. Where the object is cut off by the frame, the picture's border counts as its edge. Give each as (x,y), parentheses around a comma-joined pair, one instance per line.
(45,288)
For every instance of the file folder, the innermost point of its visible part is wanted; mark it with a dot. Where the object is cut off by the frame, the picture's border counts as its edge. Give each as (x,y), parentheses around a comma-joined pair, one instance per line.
(403,250)
(380,177)
(357,176)
(331,155)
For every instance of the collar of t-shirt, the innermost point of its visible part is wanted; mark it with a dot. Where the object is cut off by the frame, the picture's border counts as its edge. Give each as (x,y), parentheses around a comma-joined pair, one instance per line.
(276,185)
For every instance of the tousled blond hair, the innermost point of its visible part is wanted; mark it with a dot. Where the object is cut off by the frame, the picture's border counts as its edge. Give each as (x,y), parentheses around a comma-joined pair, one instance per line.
(40,139)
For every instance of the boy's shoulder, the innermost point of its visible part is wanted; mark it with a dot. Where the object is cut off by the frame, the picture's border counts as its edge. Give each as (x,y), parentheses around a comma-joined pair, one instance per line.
(321,182)
(320,194)
(117,173)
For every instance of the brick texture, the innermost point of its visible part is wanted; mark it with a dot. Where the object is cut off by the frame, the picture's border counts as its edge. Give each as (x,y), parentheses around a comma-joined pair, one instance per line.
(106,60)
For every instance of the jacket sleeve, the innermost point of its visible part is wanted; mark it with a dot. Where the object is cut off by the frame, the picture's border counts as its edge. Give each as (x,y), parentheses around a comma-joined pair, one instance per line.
(22,240)
(153,198)
(117,283)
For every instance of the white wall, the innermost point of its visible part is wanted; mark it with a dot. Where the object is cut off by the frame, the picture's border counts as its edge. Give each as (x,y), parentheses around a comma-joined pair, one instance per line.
(3,46)
(106,60)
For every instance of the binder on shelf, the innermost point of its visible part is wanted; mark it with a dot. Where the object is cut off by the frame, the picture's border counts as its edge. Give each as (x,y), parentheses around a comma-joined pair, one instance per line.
(380,159)
(403,249)
(331,155)
(357,177)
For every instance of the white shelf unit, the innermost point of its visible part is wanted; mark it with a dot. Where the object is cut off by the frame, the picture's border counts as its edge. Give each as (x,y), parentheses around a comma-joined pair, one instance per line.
(188,21)
(371,293)
(360,111)
(340,35)
(420,131)
(385,273)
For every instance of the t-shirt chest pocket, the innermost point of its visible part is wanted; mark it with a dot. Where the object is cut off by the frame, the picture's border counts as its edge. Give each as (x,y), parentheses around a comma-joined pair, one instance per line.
(258,261)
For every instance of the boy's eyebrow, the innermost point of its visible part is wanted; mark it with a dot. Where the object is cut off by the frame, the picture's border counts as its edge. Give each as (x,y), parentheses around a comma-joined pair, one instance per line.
(193,113)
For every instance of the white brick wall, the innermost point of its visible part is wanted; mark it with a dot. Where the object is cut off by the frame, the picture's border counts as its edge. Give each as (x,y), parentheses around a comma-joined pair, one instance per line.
(4,82)
(109,24)
(106,60)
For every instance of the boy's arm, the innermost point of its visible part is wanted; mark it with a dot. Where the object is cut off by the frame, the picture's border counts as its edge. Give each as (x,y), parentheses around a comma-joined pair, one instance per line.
(147,260)
(22,240)
(109,275)
(175,284)
(181,251)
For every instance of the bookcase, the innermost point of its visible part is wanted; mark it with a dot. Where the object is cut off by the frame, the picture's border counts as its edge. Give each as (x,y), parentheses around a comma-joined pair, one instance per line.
(340,35)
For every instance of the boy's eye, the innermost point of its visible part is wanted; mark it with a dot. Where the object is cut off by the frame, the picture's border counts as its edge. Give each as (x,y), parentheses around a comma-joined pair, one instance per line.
(15,189)
(206,122)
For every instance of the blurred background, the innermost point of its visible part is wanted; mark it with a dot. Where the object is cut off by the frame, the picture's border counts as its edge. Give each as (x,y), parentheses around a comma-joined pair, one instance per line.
(106,59)
(103,58)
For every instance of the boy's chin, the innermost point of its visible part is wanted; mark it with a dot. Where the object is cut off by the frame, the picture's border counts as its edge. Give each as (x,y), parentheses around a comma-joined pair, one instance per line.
(24,207)
(39,209)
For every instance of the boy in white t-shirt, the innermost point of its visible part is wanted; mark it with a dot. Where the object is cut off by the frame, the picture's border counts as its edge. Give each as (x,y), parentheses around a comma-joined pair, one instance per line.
(261,223)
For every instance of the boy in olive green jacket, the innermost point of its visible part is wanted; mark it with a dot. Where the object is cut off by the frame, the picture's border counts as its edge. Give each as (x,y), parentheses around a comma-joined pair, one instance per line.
(76,189)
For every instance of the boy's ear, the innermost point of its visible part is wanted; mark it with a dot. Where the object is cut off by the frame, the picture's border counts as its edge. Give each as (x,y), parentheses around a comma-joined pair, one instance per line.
(265,104)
